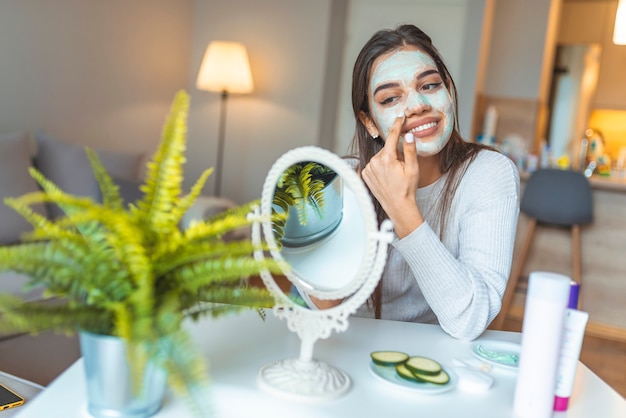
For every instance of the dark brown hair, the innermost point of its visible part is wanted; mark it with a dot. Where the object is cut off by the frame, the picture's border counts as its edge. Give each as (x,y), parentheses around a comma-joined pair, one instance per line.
(457,152)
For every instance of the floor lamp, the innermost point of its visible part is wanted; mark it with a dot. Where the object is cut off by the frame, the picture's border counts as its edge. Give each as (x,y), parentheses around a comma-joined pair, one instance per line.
(225,69)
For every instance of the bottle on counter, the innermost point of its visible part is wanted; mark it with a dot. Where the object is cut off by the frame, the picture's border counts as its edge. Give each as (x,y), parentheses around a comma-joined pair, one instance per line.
(582,154)
(546,155)
(542,329)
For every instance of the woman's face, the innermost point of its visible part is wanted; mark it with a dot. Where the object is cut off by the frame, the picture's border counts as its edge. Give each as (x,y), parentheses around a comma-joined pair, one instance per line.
(407,81)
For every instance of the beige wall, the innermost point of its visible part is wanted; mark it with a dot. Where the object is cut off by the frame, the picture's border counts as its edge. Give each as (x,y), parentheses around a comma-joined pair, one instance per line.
(516,60)
(99,73)
(103,73)
(287,43)
(592,21)
(519,69)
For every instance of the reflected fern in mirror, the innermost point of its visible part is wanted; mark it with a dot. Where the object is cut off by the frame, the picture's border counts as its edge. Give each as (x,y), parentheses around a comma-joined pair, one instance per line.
(307,204)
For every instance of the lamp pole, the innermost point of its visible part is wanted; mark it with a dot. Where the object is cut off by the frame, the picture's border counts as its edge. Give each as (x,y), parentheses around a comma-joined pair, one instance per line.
(224,69)
(220,144)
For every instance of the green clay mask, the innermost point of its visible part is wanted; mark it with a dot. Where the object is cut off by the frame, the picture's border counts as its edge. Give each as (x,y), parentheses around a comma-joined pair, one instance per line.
(407,81)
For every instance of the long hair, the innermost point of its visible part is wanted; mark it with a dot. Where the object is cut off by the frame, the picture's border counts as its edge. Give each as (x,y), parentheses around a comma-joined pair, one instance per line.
(454,157)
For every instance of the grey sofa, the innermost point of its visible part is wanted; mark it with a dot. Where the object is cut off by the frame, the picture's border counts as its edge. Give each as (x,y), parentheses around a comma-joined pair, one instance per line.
(42,357)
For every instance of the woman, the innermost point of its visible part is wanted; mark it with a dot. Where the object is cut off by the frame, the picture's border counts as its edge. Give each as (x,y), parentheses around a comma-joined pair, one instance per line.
(454,204)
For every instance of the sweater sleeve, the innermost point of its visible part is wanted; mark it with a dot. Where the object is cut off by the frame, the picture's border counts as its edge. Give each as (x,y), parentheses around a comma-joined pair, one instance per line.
(464,286)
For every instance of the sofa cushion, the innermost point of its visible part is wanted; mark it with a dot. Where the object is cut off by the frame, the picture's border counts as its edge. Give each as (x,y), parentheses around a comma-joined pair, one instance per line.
(15,158)
(67,166)
(130,191)
(126,170)
(16,284)
(123,165)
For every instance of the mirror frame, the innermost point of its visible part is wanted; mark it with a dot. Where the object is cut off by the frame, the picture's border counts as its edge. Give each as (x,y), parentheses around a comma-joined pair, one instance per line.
(305,378)
(351,180)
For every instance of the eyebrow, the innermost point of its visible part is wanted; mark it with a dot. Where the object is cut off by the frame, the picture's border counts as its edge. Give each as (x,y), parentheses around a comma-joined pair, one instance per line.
(419,77)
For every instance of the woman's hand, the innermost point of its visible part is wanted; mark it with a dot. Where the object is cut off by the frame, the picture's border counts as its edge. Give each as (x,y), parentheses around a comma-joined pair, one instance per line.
(393,178)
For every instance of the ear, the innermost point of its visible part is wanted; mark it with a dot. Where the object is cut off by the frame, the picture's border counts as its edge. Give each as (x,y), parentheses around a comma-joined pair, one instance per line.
(369,124)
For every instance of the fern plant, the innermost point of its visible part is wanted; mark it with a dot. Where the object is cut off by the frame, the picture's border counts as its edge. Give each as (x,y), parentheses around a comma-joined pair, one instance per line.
(300,185)
(131,271)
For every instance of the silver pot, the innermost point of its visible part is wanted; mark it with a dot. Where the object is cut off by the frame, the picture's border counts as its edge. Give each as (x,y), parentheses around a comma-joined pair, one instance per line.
(109,389)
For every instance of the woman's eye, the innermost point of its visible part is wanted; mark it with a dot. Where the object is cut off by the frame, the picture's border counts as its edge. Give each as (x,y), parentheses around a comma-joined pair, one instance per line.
(388,100)
(431,86)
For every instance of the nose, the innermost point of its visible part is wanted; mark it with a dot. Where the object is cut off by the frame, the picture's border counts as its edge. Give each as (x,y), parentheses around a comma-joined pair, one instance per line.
(416,104)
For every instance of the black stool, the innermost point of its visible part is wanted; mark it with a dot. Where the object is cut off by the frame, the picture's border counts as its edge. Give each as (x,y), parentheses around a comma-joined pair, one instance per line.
(557,198)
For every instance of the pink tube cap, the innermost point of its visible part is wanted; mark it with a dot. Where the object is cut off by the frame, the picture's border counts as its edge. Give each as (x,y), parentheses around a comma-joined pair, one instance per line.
(560,404)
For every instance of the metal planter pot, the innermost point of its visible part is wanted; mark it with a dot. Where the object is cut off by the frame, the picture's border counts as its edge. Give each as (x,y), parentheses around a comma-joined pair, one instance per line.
(109,389)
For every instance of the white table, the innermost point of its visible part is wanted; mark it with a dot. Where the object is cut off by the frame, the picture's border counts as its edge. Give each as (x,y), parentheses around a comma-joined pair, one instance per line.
(24,388)
(238,346)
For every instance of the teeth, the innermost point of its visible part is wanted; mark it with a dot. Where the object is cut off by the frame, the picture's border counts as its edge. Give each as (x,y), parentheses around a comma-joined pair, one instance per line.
(423,127)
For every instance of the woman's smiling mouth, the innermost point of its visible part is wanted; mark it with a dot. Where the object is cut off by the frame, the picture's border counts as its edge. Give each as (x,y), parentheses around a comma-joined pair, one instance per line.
(425,129)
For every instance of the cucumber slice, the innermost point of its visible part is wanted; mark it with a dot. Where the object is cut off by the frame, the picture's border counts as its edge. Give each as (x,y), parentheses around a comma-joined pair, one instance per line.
(388,358)
(423,365)
(440,378)
(407,374)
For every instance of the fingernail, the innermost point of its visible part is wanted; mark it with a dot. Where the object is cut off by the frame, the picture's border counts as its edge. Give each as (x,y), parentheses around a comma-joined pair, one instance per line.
(401,115)
(408,137)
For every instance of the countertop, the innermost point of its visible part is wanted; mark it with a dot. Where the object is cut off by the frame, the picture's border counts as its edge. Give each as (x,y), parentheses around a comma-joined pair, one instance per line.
(597,182)
(238,346)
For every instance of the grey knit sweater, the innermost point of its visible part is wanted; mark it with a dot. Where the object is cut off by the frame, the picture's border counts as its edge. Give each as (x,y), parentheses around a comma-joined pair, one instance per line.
(457,282)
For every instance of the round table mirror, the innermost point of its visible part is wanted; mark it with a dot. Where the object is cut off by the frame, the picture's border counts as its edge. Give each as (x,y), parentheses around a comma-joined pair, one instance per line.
(318,219)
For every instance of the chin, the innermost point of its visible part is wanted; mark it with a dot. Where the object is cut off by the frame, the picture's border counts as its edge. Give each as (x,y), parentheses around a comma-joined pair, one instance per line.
(426,149)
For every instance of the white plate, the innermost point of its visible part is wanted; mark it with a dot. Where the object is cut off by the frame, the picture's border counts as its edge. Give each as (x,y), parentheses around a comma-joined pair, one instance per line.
(501,353)
(388,374)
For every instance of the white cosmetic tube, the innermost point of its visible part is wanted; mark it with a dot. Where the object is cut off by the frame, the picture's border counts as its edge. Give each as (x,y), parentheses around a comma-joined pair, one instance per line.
(573,333)
(542,330)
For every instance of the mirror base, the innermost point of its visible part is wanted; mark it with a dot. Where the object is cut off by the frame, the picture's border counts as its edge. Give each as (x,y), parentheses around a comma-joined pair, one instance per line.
(310,381)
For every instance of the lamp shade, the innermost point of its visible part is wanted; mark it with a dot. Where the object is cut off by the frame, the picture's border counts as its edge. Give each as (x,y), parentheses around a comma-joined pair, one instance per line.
(619,34)
(225,67)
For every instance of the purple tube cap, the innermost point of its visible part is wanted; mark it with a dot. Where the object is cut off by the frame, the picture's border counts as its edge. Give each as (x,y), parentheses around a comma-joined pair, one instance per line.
(560,404)
(573,295)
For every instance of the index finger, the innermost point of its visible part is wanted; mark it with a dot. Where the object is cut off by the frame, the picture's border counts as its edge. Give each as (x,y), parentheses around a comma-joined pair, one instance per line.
(391,143)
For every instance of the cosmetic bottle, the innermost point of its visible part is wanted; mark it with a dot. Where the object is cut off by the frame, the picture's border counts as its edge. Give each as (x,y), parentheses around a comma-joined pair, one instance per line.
(546,156)
(573,334)
(544,313)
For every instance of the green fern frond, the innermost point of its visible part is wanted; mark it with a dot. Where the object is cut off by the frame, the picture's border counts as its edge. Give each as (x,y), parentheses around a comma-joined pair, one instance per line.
(43,227)
(316,197)
(40,261)
(187,201)
(36,317)
(110,191)
(232,299)
(199,252)
(217,309)
(242,211)
(187,372)
(164,179)
(300,185)
(68,204)
(215,229)
(283,200)
(221,271)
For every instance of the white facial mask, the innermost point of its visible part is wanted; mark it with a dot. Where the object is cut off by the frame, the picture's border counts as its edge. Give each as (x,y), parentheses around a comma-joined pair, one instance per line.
(402,69)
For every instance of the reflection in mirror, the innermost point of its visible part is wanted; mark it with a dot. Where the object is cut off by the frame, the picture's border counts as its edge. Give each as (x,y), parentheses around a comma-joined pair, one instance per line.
(341,258)
(573,86)
(307,204)
(317,218)
(334,262)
